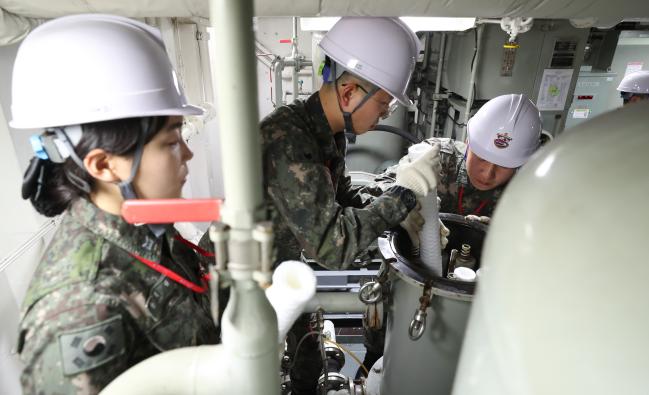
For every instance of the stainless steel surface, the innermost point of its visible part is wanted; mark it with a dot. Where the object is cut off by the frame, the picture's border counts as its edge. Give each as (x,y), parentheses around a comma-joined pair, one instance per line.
(427,364)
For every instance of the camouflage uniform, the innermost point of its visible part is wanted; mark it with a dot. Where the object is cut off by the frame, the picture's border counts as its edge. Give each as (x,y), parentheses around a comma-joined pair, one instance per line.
(92,310)
(313,204)
(314,208)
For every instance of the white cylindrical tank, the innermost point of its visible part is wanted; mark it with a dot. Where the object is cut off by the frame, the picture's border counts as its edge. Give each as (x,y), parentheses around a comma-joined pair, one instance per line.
(562,305)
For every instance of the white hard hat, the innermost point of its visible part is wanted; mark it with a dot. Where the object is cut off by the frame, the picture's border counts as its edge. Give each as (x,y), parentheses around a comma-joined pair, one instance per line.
(506,130)
(88,68)
(637,82)
(380,50)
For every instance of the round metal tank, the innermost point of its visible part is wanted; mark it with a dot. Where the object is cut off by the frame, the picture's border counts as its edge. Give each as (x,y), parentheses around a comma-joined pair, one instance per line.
(426,365)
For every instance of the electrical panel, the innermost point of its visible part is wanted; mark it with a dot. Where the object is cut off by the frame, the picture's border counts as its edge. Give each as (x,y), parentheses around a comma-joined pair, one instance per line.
(550,44)
(591,96)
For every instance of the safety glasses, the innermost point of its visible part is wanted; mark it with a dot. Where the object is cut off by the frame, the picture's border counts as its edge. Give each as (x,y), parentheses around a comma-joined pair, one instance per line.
(389,107)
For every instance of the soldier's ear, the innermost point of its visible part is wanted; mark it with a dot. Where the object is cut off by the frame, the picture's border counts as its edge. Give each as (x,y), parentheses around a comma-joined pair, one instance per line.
(106,167)
(346,91)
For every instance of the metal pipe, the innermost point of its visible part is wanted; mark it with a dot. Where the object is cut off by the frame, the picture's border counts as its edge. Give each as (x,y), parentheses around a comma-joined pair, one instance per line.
(278,67)
(426,50)
(474,70)
(263,54)
(249,326)
(480,21)
(335,303)
(438,81)
(296,58)
(44,229)
(236,88)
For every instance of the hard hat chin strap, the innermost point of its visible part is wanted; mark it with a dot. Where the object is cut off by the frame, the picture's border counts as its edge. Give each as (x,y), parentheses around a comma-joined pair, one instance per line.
(347,116)
(126,186)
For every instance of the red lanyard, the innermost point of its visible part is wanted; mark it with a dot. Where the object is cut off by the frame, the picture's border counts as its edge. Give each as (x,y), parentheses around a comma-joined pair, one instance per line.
(175,276)
(460,208)
(194,247)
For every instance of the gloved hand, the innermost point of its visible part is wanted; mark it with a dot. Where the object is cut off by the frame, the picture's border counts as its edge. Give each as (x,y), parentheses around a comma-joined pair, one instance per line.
(484,219)
(420,175)
(413,224)
(444,232)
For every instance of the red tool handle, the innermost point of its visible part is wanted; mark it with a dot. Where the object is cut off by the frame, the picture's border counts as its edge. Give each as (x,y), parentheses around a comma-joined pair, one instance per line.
(165,211)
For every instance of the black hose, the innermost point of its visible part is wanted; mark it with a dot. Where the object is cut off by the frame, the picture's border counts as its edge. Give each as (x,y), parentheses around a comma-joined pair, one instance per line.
(398,132)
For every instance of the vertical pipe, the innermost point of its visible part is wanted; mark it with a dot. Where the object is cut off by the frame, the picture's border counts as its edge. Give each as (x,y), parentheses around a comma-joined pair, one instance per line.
(278,67)
(296,61)
(428,36)
(249,324)
(474,70)
(438,81)
(236,88)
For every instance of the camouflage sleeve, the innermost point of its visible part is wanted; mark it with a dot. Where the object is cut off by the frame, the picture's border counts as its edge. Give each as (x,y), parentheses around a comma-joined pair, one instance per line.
(71,344)
(303,193)
(349,195)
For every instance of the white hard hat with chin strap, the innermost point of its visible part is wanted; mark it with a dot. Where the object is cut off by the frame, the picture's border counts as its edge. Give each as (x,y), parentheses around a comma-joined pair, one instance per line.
(90,68)
(382,51)
(505,131)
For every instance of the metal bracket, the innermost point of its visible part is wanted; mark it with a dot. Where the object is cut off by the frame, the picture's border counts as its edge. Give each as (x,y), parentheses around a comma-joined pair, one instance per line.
(263,234)
(418,323)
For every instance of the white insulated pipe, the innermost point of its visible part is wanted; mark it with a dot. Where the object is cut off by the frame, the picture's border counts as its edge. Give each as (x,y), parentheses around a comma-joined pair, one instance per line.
(429,245)
(247,323)
(335,303)
(293,286)
(190,370)
(236,95)
(249,334)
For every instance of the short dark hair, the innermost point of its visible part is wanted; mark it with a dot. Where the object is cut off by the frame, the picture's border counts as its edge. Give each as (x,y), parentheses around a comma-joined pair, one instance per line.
(347,77)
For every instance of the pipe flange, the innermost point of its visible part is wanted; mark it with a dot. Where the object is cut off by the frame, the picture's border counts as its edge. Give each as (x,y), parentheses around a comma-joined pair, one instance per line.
(335,381)
(333,352)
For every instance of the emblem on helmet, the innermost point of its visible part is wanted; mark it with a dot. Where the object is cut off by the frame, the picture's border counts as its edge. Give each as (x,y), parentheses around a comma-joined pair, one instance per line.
(502,140)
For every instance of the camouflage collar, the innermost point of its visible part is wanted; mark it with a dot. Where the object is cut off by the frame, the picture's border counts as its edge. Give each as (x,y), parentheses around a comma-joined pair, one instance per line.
(135,239)
(320,127)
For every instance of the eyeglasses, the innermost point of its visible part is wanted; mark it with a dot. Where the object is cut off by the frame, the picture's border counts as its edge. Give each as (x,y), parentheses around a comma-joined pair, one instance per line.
(389,107)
